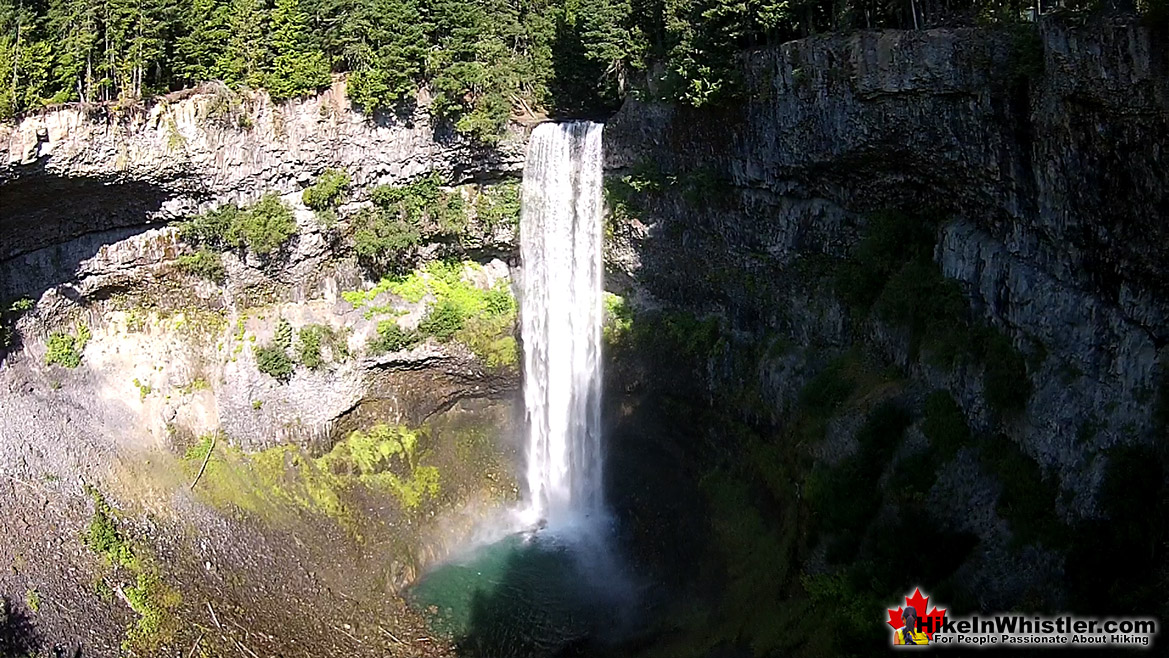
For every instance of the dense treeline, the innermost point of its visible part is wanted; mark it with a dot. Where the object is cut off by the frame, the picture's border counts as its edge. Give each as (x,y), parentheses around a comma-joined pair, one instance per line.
(479,59)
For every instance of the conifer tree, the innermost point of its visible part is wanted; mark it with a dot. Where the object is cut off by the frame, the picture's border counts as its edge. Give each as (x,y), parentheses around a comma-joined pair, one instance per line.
(298,65)
(387,40)
(243,60)
(74,26)
(200,51)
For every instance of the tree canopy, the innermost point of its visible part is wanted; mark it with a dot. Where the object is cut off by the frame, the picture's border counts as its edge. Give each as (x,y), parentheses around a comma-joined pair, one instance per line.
(480,60)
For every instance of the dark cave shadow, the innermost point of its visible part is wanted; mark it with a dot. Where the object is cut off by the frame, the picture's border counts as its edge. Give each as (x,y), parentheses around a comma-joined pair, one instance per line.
(44,219)
(19,637)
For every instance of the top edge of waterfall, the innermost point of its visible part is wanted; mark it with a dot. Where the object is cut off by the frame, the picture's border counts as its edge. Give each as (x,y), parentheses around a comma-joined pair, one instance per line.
(545,126)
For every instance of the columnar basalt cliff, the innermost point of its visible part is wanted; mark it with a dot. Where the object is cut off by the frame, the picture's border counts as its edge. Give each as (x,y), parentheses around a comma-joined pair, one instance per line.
(1053,188)
(79,170)
(1036,161)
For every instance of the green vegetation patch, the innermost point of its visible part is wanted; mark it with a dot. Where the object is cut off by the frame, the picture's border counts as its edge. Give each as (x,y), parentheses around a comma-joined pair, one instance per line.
(203,263)
(9,314)
(150,597)
(1004,378)
(618,320)
(846,496)
(155,603)
(284,480)
(318,344)
(845,382)
(678,334)
(891,273)
(32,598)
(66,349)
(757,554)
(103,537)
(386,458)
(499,205)
(393,338)
(483,320)
(263,228)
(282,334)
(327,192)
(273,360)
(387,233)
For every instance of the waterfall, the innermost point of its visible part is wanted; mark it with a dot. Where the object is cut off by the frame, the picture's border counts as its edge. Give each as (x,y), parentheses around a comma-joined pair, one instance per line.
(560,244)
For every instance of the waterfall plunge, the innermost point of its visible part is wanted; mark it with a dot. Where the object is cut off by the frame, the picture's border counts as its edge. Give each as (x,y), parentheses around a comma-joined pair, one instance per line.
(560,244)
(543,592)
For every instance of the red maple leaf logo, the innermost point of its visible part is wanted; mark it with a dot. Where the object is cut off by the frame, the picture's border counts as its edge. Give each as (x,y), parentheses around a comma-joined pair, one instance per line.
(919,603)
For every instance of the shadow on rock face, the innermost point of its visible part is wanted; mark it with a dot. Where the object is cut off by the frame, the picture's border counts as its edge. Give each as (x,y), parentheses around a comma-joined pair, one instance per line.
(39,208)
(18,635)
(43,215)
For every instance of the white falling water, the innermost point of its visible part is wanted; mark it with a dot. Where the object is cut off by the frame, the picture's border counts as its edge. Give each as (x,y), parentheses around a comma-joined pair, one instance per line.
(560,244)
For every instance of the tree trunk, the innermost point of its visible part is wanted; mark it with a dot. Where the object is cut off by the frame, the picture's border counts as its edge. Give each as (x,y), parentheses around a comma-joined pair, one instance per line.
(16,56)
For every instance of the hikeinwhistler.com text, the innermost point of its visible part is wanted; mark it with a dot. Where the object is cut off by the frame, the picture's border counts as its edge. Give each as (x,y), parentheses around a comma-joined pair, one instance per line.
(1004,630)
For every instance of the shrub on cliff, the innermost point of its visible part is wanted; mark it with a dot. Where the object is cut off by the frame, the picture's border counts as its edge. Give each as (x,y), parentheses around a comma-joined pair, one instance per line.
(309,347)
(483,320)
(1027,497)
(263,228)
(210,229)
(423,204)
(318,343)
(499,205)
(205,263)
(274,362)
(282,336)
(845,497)
(65,349)
(383,241)
(443,321)
(392,338)
(386,234)
(327,192)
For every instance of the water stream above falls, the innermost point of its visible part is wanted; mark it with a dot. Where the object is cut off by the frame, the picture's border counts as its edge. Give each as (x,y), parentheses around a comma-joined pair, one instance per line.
(553,582)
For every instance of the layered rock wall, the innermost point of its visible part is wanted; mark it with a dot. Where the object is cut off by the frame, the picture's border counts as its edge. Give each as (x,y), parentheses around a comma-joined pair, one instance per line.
(1046,156)
(77,170)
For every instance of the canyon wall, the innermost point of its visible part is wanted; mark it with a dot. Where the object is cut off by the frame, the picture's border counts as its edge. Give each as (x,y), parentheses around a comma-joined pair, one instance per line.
(1036,161)
(774,320)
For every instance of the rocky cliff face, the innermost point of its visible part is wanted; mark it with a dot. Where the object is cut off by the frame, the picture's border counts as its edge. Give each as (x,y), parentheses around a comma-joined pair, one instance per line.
(71,172)
(1043,155)
(358,463)
(1053,188)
